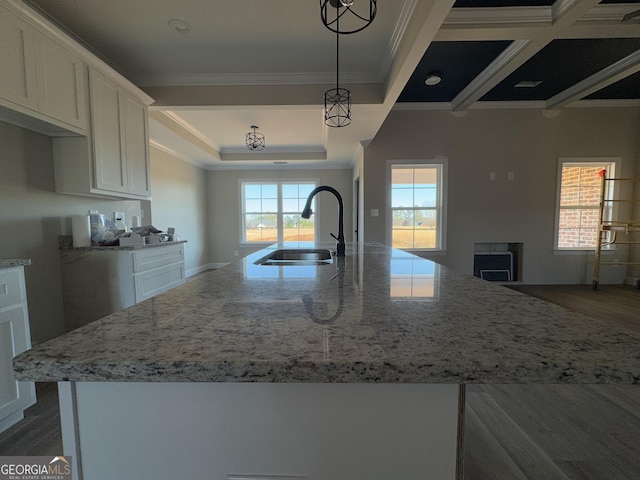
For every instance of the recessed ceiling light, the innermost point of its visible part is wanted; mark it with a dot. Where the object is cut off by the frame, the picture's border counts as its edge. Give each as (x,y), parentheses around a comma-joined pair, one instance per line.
(433,79)
(528,83)
(180,26)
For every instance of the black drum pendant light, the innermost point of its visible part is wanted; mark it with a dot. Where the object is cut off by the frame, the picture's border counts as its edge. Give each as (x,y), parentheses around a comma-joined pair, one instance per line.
(337,101)
(347,16)
(254,140)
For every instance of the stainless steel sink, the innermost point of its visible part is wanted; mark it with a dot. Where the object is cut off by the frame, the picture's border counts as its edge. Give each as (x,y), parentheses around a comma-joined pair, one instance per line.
(297,256)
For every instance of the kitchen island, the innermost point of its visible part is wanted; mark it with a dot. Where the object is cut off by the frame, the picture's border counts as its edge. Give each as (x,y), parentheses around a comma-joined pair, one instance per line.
(346,370)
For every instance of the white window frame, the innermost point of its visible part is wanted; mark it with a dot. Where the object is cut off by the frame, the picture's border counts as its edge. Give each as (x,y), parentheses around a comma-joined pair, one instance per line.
(611,164)
(441,204)
(279,213)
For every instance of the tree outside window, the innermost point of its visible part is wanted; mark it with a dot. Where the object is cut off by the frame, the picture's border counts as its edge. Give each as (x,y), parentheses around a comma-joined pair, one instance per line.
(271,212)
(416,218)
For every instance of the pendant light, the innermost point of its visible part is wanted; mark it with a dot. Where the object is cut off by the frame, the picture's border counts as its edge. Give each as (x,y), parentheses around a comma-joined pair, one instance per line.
(337,101)
(254,140)
(355,15)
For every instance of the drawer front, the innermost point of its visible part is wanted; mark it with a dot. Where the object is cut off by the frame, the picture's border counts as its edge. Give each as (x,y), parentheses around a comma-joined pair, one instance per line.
(151,283)
(12,291)
(155,257)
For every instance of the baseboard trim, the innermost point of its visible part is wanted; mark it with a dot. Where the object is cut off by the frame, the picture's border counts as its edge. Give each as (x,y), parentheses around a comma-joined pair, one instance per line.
(203,268)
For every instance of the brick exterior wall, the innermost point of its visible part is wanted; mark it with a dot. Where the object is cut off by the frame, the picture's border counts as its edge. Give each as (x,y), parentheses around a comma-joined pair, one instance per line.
(579,201)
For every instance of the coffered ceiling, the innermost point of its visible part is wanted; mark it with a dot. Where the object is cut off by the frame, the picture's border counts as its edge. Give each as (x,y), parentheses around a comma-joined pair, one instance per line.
(223,65)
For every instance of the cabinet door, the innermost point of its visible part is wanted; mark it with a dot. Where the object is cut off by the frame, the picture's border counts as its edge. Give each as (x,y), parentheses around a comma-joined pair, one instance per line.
(14,395)
(17,74)
(14,339)
(60,81)
(137,146)
(109,157)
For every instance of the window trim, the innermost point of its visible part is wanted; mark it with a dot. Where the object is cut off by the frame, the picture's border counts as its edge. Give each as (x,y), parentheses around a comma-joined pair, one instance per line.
(441,205)
(586,162)
(280,227)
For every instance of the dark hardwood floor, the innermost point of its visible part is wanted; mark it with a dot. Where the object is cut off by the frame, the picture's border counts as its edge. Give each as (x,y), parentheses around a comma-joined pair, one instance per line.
(559,432)
(512,432)
(38,434)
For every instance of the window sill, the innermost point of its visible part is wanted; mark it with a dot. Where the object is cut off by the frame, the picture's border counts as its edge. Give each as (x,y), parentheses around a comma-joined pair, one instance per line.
(582,251)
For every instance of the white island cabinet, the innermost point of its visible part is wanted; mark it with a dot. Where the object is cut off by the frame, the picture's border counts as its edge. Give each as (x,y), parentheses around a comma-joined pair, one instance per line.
(15,338)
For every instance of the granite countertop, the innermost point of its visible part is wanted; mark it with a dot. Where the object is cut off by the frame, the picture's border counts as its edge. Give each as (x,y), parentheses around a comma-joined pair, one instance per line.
(384,316)
(14,262)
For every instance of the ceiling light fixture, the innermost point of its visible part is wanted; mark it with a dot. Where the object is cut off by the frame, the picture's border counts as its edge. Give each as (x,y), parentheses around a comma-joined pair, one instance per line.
(432,79)
(528,83)
(337,101)
(355,15)
(180,26)
(254,140)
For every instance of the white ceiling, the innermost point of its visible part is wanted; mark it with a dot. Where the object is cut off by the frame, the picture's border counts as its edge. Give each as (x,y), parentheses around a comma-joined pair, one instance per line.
(254,62)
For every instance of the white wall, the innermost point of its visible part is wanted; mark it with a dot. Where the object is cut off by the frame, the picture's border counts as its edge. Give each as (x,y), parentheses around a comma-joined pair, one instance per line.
(224,206)
(502,141)
(180,201)
(32,216)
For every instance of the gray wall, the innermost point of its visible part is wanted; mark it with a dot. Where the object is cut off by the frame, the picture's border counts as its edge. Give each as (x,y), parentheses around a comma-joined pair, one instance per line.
(502,141)
(224,206)
(32,216)
(180,201)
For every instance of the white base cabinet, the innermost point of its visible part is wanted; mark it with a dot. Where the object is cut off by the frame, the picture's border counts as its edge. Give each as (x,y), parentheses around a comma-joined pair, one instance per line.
(98,282)
(15,338)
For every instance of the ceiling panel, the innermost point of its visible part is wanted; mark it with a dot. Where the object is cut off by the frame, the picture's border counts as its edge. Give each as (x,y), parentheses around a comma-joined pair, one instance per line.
(626,88)
(561,64)
(457,62)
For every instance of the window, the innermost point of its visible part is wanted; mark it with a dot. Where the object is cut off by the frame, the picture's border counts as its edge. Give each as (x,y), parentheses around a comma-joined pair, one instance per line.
(579,193)
(416,206)
(271,212)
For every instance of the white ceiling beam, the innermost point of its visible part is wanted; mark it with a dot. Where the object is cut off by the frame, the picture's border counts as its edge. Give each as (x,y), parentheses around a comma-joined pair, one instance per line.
(184,129)
(426,19)
(613,73)
(502,66)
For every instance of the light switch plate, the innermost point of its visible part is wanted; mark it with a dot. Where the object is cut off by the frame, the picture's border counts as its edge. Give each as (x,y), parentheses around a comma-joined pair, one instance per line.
(375,212)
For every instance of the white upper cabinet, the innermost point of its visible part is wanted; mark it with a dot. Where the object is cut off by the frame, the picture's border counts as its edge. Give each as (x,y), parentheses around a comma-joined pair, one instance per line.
(99,120)
(121,138)
(107,119)
(60,81)
(18,72)
(41,81)
(114,159)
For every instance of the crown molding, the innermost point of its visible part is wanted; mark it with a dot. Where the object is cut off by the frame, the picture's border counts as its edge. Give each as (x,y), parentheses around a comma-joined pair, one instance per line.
(518,104)
(498,15)
(177,155)
(255,79)
(609,13)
